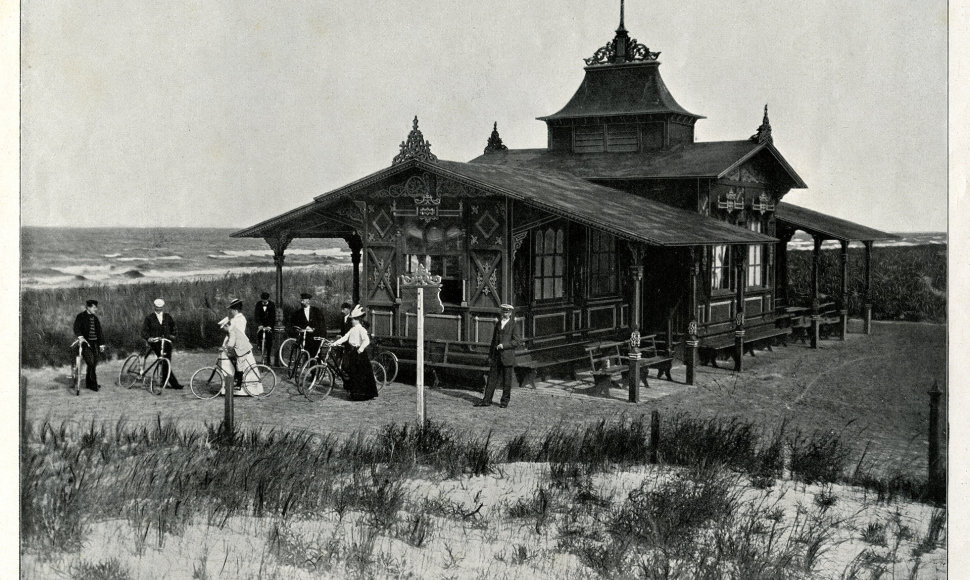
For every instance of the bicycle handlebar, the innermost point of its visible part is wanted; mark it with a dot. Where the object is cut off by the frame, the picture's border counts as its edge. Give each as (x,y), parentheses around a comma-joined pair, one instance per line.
(160,339)
(79,341)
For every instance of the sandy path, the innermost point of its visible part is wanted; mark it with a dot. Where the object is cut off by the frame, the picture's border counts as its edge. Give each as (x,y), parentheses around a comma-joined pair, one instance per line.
(871,387)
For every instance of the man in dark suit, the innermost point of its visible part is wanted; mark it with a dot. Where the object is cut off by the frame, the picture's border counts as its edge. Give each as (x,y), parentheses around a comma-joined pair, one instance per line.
(160,324)
(87,329)
(345,324)
(501,356)
(309,317)
(265,317)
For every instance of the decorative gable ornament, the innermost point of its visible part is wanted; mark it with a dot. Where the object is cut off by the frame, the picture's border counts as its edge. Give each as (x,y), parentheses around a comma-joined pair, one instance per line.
(494,141)
(762,204)
(415,147)
(732,200)
(621,49)
(763,134)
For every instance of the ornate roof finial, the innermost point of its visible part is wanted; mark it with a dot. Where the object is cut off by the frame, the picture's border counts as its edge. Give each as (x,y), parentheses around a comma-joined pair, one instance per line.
(763,134)
(415,147)
(621,49)
(494,141)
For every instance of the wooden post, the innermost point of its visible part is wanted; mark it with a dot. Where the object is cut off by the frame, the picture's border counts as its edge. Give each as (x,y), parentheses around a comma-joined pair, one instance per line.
(691,344)
(634,375)
(740,260)
(936,464)
(356,245)
(816,257)
(844,292)
(420,359)
(420,280)
(228,420)
(655,436)
(278,244)
(866,304)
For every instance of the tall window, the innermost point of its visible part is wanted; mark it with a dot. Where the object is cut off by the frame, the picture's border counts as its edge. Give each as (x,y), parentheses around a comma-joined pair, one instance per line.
(721,278)
(756,266)
(549,264)
(602,264)
(448,267)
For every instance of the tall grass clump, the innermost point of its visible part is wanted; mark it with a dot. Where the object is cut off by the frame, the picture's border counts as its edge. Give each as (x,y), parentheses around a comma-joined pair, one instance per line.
(48,314)
(908,283)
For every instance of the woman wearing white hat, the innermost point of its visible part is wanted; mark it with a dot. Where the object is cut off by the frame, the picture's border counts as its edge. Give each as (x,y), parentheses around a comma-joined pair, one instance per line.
(240,351)
(360,376)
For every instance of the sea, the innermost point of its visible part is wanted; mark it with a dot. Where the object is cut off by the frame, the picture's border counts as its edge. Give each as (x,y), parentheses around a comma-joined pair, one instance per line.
(64,257)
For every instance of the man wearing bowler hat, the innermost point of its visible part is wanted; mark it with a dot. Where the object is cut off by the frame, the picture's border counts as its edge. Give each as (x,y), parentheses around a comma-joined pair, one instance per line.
(501,356)
(87,329)
(265,317)
(160,324)
(309,318)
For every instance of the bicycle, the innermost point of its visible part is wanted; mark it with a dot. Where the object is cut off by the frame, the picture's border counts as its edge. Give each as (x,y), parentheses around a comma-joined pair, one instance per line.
(386,358)
(293,354)
(155,377)
(316,381)
(76,377)
(208,382)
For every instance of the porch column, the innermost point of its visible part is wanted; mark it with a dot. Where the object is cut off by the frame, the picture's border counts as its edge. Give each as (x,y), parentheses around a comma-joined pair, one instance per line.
(844,292)
(784,236)
(866,302)
(816,257)
(740,260)
(690,345)
(278,243)
(636,272)
(356,244)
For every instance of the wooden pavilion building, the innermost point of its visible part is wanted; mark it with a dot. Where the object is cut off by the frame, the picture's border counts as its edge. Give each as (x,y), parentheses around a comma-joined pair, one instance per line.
(622,222)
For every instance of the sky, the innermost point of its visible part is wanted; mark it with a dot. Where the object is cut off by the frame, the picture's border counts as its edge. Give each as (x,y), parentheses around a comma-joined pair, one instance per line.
(200,113)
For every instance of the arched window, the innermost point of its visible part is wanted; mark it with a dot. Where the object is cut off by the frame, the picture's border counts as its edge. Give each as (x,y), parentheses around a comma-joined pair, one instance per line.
(549,264)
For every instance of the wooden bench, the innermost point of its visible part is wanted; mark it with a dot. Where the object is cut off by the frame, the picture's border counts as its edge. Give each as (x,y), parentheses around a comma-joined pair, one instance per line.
(608,365)
(551,352)
(757,332)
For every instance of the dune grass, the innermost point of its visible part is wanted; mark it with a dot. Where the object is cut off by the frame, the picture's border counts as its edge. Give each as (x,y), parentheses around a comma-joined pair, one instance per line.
(196,305)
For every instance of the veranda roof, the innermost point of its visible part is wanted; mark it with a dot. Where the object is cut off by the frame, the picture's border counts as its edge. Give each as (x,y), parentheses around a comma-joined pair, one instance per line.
(623,214)
(826,226)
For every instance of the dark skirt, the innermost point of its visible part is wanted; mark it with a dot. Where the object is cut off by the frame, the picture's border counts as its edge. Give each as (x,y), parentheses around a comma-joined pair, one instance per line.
(360,376)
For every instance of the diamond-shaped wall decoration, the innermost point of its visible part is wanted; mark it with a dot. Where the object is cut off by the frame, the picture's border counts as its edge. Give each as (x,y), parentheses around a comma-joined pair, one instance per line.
(487,224)
(383,223)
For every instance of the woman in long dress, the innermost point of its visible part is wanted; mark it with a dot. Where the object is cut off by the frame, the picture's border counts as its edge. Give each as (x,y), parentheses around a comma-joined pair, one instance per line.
(239,351)
(360,376)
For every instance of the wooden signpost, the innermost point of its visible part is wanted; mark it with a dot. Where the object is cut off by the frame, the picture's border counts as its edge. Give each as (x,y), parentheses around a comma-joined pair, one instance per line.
(415,299)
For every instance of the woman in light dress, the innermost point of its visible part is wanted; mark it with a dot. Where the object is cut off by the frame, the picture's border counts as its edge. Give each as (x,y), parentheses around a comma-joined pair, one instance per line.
(356,364)
(239,349)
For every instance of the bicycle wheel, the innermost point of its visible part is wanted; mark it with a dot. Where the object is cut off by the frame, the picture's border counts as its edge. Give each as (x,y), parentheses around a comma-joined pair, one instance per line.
(289,348)
(388,360)
(319,383)
(77,376)
(380,374)
(259,381)
(130,372)
(157,380)
(207,382)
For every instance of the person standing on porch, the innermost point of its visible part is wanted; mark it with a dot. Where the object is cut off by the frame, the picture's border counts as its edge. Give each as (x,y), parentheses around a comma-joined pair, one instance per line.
(362,384)
(310,318)
(501,356)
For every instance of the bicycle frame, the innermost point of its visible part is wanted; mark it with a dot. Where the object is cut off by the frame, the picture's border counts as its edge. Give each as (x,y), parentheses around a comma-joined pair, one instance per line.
(77,364)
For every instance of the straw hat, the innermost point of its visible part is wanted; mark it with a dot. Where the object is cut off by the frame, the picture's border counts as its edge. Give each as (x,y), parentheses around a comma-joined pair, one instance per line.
(236,304)
(507,308)
(357,312)
(159,303)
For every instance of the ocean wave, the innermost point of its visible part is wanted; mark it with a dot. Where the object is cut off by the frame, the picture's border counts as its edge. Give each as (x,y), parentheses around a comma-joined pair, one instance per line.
(111,255)
(328,252)
(152,259)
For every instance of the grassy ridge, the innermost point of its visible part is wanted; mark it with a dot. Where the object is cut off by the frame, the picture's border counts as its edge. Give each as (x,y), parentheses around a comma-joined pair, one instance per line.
(196,305)
(908,282)
(162,479)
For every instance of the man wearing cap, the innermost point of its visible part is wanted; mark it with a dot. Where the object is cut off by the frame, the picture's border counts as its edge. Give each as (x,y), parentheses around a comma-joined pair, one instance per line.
(87,329)
(501,355)
(265,317)
(309,317)
(160,324)
(345,323)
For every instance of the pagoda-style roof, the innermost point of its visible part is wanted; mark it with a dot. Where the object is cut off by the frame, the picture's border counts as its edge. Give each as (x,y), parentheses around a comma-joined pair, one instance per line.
(629,88)
(624,214)
(714,159)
